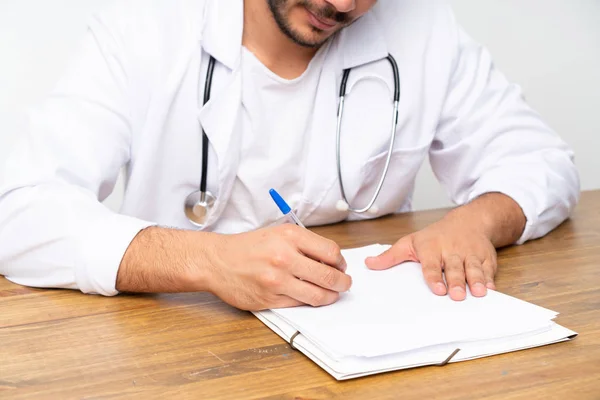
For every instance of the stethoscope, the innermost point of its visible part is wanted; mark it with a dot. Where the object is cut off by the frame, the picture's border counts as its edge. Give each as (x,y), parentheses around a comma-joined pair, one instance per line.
(199,203)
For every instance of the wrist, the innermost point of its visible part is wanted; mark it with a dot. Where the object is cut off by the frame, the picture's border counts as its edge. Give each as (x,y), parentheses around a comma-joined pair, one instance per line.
(494,215)
(472,218)
(163,260)
(202,260)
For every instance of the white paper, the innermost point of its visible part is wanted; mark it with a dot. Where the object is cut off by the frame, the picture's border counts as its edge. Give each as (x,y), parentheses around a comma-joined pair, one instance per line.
(354,367)
(394,311)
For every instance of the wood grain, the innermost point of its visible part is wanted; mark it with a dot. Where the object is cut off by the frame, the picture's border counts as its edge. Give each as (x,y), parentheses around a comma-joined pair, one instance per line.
(63,344)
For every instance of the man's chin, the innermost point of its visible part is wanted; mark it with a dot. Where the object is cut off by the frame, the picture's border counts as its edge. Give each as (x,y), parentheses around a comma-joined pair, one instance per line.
(313,38)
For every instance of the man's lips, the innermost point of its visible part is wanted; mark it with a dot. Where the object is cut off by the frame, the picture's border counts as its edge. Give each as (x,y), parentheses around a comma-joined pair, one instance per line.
(320,23)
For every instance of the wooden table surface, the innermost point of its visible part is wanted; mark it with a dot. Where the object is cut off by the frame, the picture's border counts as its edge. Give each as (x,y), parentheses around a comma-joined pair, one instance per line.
(62,344)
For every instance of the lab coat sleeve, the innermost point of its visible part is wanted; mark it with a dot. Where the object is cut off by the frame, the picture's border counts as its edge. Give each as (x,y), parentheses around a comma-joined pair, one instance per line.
(54,230)
(490,140)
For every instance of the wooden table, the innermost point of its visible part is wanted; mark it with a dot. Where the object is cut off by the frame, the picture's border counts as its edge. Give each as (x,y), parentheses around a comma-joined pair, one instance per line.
(63,344)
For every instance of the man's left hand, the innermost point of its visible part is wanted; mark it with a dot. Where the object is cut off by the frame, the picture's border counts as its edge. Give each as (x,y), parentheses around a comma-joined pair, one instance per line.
(464,253)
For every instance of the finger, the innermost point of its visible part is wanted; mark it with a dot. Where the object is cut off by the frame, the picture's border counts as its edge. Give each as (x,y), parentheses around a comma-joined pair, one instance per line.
(475,277)
(307,293)
(432,272)
(317,247)
(401,251)
(489,271)
(320,274)
(455,276)
(283,301)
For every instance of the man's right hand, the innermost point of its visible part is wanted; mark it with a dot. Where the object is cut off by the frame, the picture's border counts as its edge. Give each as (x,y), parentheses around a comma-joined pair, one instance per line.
(275,267)
(282,266)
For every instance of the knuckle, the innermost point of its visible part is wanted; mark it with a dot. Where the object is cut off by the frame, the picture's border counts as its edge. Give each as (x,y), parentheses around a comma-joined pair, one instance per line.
(330,278)
(472,259)
(334,251)
(280,259)
(472,263)
(431,274)
(289,231)
(491,269)
(271,280)
(317,299)
(453,259)
(333,248)
(331,298)
(432,267)
(494,264)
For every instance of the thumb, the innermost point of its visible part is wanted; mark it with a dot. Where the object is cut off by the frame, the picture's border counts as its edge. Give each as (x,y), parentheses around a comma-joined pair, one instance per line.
(398,253)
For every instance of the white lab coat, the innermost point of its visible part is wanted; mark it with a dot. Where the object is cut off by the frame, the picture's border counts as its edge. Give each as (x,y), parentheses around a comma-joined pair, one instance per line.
(132,97)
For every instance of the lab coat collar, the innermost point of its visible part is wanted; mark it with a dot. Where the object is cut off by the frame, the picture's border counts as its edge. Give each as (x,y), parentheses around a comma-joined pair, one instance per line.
(359,44)
(223,29)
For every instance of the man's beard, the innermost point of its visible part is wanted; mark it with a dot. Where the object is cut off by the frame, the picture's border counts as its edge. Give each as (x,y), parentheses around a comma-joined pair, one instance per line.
(278,8)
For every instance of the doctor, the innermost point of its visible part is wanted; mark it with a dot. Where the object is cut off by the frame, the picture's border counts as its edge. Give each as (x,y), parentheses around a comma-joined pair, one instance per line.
(142,93)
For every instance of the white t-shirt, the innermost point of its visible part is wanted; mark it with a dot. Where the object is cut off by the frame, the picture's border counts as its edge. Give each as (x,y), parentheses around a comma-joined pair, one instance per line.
(276,121)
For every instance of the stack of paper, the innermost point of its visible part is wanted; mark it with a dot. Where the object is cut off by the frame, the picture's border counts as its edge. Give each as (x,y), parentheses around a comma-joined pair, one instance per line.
(391,320)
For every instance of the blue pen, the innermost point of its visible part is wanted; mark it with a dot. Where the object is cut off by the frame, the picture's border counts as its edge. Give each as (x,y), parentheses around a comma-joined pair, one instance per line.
(287,211)
(284,207)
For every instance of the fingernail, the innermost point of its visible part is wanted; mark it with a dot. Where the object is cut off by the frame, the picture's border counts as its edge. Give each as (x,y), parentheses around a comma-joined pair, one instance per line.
(458,292)
(490,285)
(478,288)
(439,289)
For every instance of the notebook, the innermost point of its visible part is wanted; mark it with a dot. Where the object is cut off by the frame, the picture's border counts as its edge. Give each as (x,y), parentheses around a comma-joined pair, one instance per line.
(390,320)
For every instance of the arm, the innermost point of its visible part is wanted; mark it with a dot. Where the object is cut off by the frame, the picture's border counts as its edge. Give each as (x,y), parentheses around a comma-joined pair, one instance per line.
(163,260)
(497,216)
(269,268)
(512,176)
(490,140)
(54,230)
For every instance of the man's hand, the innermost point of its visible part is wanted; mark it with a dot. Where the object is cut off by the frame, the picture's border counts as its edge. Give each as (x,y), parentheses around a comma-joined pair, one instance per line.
(277,267)
(462,246)
(281,266)
(465,255)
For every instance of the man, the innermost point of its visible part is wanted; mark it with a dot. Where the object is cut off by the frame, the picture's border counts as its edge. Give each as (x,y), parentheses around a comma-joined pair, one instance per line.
(133,97)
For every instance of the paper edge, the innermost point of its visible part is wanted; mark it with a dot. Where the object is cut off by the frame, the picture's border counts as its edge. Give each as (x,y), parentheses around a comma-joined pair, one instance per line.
(303,344)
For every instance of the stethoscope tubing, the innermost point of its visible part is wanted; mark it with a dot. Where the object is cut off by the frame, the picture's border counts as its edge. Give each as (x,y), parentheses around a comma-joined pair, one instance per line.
(340,112)
(207,90)
(394,125)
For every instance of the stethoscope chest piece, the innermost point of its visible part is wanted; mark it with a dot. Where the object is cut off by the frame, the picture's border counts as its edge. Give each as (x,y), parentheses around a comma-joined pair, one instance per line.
(198,206)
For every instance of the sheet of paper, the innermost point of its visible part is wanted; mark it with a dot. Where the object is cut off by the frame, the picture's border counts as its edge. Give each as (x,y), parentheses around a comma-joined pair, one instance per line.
(393,311)
(353,367)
